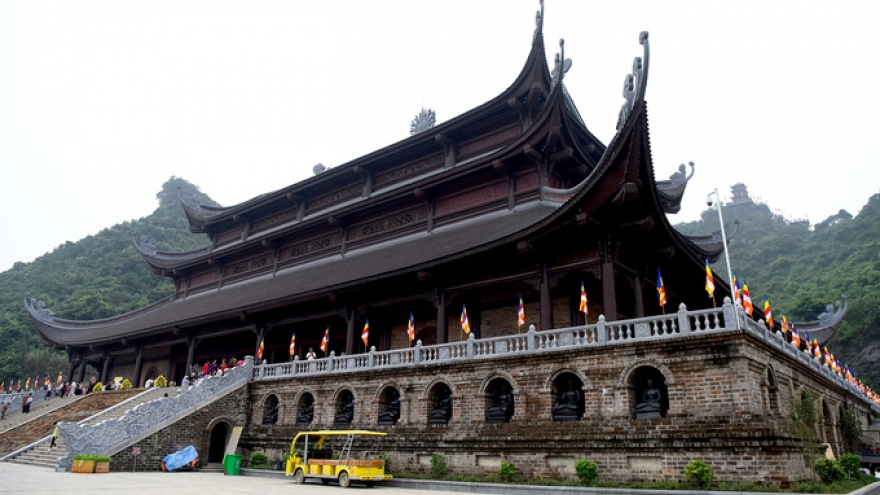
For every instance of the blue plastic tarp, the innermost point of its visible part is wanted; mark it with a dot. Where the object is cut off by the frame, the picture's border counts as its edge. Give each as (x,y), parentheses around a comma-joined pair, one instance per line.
(180,458)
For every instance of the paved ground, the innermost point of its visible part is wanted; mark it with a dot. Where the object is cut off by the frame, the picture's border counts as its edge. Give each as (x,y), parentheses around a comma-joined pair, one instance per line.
(27,480)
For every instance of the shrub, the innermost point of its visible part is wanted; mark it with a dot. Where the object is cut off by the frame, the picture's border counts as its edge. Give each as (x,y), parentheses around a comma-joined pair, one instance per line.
(383,456)
(587,471)
(829,471)
(259,460)
(125,385)
(98,387)
(160,381)
(438,466)
(507,472)
(699,474)
(851,465)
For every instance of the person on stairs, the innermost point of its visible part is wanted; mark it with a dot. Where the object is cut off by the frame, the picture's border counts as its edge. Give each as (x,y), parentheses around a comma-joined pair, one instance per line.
(55,434)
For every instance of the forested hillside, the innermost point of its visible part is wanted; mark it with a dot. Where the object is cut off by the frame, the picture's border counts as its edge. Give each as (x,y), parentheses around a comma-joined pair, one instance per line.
(99,276)
(801,269)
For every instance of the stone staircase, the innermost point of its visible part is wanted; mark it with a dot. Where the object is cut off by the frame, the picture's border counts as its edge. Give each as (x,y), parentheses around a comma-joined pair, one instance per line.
(87,410)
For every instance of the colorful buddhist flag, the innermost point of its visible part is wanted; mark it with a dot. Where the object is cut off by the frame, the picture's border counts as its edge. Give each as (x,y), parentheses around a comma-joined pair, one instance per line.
(261,349)
(795,338)
(465,324)
(584,308)
(768,316)
(18,388)
(60,377)
(710,281)
(27,385)
(521,313)
(411,328)
(816,351)
(784,324)
(293,344)
(365,334)
(326,340)
(748,308)
(736,296)
(661,290)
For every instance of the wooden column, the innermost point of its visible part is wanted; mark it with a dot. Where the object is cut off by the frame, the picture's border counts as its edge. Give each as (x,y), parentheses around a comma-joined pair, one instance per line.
(105,370)
(349,331)
(190,355)
(82,367)
(72,366)
(440,302)
(138,365)
(609,292)
(638,299)
(546,303)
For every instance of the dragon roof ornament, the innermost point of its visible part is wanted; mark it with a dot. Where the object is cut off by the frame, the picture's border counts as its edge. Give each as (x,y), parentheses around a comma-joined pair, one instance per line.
(539,21)
(634,85)
(560,65)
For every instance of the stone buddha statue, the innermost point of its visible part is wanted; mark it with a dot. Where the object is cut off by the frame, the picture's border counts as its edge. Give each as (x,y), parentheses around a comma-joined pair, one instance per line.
(502,408)
(650,405)
(392,411)
(271,416)
(568,407)
(345,415)
(441,414)
(308,413)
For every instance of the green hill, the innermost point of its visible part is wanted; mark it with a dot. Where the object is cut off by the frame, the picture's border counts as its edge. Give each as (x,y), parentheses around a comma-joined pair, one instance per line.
(801,269)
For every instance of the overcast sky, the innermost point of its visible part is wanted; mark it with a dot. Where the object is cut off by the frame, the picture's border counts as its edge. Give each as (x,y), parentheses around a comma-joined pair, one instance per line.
(102,102)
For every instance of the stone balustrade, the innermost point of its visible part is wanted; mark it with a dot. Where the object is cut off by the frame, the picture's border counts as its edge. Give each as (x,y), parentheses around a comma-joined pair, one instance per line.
(727,318)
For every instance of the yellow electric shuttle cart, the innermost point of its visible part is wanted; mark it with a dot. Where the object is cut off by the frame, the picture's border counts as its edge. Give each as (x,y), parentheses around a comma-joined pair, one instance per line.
(327,455)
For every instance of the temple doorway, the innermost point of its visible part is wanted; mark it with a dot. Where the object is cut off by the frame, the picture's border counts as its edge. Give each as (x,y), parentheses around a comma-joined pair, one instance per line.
(219,435)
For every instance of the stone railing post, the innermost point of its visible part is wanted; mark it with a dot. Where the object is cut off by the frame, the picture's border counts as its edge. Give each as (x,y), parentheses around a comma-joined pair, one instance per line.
(600,328)
(295,363)
(330,361)
(372,357)
(417,352)
(249,367)
(684,323)
(471,345)
(729,312)
(530,338)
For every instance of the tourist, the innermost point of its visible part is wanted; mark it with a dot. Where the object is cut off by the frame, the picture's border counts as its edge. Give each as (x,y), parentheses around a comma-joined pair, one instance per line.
(148,383)
(3,411)
(311,354)
(223,366)
(206,369)
(55,434)
(185,381)
(26,403)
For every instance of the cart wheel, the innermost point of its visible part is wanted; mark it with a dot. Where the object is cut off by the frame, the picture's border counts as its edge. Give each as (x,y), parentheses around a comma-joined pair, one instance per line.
(298,477)
(344,482)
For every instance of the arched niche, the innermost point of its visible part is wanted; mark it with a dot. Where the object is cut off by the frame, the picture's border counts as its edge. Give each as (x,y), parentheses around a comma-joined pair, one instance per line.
(648,393)
(499,402)
(270,410)
(568,397)
(440,402)
(344,408)
(305,409)
(389,406)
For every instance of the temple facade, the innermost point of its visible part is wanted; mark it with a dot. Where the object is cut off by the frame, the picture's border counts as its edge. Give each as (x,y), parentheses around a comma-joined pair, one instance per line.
(406,271)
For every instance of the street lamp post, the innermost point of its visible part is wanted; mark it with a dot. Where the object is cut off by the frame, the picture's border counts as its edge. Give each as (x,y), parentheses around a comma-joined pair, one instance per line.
(717,206)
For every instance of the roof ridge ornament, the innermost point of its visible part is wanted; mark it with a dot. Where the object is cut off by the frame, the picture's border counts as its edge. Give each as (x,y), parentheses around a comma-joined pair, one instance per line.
(634,85)
(560,65)
(539,21)
(423,121)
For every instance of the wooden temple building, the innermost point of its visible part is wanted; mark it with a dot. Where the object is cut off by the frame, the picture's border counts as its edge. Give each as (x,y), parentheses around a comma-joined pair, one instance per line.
(515,200)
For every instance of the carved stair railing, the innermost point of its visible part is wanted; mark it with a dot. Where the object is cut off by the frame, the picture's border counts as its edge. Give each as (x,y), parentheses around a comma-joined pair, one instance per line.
(111,436)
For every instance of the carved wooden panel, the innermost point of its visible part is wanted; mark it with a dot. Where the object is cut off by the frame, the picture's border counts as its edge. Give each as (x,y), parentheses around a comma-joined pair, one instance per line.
(407,171)
(387,224)
(277,218)
(256,264)
(311,247)
(475,197)
(488,141)
(337,196)
(527,181)
(208,277)
(228,236)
